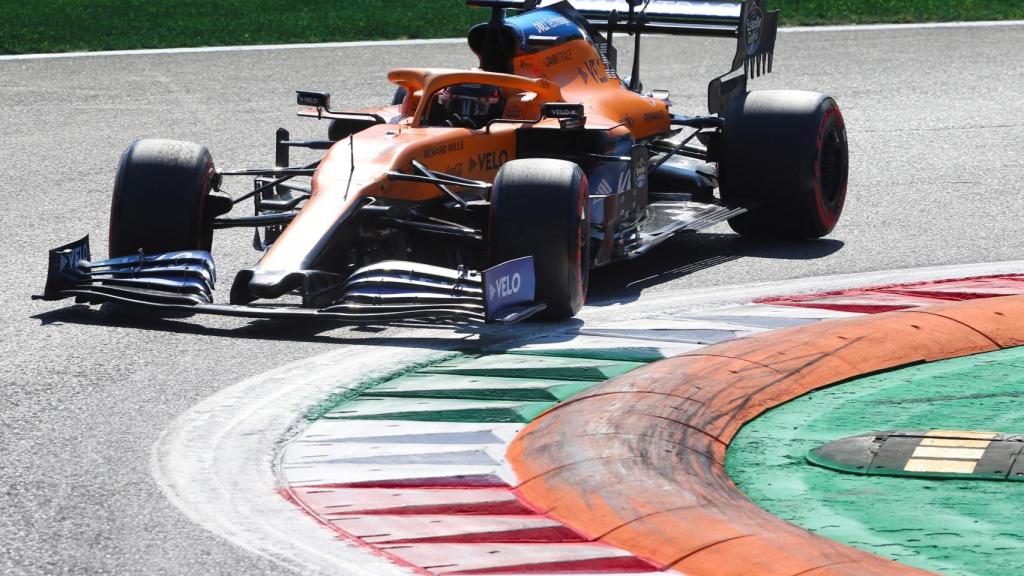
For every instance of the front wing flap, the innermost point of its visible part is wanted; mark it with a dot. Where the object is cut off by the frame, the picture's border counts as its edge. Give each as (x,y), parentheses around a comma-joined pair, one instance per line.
(388,291)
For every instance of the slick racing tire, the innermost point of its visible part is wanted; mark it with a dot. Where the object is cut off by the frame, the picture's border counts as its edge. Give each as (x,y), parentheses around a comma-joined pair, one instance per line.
(540,208)
(784,154)
(399,96)
(162,200)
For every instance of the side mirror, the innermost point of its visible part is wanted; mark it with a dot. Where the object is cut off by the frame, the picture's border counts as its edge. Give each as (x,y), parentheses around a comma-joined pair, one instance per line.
(569,115)
(313,99)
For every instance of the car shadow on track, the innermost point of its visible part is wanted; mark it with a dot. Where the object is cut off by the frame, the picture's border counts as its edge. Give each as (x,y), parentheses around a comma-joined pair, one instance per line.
(439,335)
(618,283)
(623,282)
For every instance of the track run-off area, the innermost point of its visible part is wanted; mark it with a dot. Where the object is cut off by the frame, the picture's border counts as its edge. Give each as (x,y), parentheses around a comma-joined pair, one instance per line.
(99,410)
(954,527)
(619,471)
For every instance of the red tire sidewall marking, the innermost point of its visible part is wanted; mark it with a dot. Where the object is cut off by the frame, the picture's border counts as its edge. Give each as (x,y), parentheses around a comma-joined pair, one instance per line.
(828,217)
(582,235)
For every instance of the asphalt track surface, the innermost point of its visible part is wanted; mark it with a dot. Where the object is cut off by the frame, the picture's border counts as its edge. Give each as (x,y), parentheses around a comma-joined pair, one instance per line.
(935,123)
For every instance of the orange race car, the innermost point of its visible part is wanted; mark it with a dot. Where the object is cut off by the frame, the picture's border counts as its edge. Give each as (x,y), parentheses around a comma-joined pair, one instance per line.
(535,167)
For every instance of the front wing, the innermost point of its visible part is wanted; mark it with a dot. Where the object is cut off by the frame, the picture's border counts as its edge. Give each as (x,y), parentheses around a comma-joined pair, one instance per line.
(384,292)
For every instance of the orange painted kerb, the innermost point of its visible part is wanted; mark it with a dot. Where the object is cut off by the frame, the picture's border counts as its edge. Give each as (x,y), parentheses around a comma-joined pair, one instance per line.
(637,462)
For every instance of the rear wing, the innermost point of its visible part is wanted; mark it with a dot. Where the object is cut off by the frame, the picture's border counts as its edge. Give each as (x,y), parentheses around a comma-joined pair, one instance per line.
(753,26)
(748,21)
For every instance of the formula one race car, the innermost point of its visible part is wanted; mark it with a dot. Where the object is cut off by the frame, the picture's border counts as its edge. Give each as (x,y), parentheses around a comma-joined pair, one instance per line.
(535,167)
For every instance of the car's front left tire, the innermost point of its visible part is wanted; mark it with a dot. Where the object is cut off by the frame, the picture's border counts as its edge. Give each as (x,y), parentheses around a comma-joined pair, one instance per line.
(540,208)
(161,201)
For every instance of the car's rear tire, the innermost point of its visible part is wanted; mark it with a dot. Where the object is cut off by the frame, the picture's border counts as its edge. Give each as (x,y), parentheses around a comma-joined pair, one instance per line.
(540,208)
(161,200)
(399,96)
(784,153)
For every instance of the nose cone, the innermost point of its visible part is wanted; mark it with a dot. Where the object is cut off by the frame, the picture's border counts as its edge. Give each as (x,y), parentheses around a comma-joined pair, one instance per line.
(316,287)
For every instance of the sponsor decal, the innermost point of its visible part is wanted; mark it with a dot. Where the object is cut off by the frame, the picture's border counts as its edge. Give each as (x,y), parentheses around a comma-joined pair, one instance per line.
(70,258)
(542,26)
(313,99)
(509,284)
(488,161)
(562,110)
(623,182)
(455,170)
(597,72)
(655,116)
(62,270)
(640,173)
(506,286)
(604,188)
(755,19)
(435,151)
(583,75)
(558,58)
(442,149)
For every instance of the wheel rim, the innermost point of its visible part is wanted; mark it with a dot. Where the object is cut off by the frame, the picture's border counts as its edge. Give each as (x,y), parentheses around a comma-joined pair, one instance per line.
(832,169)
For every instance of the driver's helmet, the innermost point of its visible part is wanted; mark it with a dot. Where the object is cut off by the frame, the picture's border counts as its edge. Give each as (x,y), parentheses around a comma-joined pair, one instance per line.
(479,103)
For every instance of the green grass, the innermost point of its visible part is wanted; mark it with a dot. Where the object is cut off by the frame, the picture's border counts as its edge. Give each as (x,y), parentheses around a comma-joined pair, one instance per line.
(953,527)
(30,26)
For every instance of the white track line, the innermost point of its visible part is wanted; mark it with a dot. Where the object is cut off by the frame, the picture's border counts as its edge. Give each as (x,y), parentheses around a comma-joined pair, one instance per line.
(253,47)
(364,44)
(217,461)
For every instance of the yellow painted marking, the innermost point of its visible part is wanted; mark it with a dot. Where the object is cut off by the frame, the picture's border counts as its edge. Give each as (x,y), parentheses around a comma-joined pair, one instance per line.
(955,442)
(946,466)
(962,434)
(958,453)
